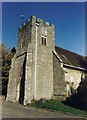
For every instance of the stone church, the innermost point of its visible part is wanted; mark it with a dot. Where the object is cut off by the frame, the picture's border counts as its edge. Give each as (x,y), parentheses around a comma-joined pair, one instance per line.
(39,68)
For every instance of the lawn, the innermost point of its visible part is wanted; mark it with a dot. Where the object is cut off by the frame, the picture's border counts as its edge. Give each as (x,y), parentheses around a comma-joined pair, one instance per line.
(58,106)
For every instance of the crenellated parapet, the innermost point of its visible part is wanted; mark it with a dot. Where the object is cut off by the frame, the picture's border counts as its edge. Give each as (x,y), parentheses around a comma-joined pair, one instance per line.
(24,24)
(38,21)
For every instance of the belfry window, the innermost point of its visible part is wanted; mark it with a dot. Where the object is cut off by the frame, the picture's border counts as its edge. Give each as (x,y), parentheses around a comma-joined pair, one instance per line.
(44,40)
(44,36)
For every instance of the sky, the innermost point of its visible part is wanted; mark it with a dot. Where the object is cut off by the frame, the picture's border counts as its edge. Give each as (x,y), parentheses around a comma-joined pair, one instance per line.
(67,17)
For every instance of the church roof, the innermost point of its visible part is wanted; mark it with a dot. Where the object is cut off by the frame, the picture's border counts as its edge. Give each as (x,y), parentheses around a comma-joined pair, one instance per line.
(71,59)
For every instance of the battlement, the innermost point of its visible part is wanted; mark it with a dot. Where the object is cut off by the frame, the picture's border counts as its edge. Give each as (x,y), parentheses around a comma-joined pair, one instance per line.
(37,20)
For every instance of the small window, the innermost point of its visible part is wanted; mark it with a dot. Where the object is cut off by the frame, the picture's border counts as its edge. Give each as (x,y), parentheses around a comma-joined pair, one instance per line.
(43,41)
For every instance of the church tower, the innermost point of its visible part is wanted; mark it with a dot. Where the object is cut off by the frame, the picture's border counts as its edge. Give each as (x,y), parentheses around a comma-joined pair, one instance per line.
(31,73)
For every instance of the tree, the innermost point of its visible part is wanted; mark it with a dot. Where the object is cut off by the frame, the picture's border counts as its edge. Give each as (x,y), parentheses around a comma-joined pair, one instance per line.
(7,55)
(82,93)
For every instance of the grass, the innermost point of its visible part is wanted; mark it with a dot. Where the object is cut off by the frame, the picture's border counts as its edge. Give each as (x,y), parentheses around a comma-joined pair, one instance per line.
(58,106)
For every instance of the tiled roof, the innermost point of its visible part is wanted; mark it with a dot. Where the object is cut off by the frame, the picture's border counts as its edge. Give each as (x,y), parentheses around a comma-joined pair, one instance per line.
(71,58)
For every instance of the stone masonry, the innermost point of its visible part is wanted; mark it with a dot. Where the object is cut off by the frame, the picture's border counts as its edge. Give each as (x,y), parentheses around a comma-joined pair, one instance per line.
(40,69)
(59,84)
(31,73)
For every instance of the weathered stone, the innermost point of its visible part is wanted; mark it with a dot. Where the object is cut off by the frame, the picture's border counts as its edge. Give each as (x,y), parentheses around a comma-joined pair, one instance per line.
(37,72)
(59,83)
(32,76)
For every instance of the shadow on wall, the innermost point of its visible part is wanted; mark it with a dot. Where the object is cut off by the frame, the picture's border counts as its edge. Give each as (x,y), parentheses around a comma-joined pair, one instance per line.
(79,98)
(22,83)
(3,87)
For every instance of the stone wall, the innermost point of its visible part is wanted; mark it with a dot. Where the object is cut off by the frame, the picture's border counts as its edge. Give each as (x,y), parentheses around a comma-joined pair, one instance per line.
(11,92)
(73,76)
(40,84)
(44,72)
(28,79)
(59,84)
(24,38)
